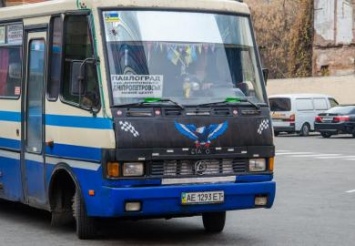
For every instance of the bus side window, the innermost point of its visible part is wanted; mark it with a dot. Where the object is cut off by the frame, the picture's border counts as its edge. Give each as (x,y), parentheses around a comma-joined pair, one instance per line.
(10,71)
(56,46)
(77,48)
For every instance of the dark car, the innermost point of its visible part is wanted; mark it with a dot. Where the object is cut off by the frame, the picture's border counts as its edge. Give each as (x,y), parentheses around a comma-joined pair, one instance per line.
(336,120)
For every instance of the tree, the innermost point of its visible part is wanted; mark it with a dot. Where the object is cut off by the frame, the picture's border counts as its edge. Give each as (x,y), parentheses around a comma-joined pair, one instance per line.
(275,22)
(302,41)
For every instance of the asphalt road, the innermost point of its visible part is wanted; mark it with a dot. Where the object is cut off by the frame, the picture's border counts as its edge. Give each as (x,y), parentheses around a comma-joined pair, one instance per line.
(315,205)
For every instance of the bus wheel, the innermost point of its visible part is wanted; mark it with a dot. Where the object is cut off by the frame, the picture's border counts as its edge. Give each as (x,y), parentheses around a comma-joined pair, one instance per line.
(85,226)
(214,222)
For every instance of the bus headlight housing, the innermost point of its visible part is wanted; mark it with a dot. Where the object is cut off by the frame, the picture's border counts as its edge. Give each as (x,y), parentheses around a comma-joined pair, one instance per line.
(132,169)
(257,165)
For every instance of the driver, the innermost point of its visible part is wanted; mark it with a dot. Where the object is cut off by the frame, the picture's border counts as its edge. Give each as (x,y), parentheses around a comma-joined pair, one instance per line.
(198,76)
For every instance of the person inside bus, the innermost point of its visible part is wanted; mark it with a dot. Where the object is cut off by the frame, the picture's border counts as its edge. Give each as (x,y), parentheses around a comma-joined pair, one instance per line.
(198,77)
(91,97)
(210,76)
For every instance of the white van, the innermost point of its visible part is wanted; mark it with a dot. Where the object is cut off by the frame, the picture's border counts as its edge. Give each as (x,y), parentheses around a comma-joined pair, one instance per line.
(295,113)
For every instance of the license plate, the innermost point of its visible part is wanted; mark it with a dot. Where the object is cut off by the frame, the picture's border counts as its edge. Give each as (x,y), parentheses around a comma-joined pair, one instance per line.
(327,119)
(202,197)
(277,116)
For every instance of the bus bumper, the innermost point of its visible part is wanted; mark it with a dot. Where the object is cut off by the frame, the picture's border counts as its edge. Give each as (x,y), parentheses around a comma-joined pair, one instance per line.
(165,201)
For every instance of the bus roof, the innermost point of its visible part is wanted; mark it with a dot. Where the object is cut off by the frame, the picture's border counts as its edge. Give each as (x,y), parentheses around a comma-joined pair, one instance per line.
(59,6)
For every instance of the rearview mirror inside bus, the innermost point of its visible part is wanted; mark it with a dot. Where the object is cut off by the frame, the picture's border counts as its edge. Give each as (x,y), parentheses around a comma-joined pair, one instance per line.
(77,77)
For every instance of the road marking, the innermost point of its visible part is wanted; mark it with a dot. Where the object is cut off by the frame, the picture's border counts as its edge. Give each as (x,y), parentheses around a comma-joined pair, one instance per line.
(350,191)
(334,156)
(342,157)
(283,150)
(295,153)
(350,157)
(314,155)
(319,156)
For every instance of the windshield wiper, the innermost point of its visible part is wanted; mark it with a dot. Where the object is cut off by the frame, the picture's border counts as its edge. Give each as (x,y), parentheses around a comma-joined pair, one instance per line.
(149,101)
(164,100)
(231,100)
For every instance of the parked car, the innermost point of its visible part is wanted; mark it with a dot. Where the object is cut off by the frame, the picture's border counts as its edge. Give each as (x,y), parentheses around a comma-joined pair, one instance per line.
(337,120)
(295,113)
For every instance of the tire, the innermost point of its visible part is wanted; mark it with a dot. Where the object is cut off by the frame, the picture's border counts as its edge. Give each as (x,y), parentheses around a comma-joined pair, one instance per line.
(85,226)
(326,134)
(276,134)
(353,135)
(305,129)
(214,222)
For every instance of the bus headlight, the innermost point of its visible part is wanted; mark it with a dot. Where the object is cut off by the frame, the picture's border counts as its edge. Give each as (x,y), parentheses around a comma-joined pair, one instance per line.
(132,169)
(257,165)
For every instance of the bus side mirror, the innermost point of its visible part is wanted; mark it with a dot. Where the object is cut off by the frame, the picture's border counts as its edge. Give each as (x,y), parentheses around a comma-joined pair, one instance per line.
(77,77)
(265,74)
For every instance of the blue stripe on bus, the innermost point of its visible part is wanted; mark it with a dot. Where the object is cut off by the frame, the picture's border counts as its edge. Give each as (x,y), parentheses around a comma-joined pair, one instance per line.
(78,121)
(59,150)
(10,116)
(6,143)
(74,152)
(64,120)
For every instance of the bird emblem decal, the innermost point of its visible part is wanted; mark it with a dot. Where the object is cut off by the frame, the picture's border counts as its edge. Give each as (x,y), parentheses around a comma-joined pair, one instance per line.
(202,136)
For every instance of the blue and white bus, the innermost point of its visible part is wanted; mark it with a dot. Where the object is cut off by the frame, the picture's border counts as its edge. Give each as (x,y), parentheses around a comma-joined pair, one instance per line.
(133,109)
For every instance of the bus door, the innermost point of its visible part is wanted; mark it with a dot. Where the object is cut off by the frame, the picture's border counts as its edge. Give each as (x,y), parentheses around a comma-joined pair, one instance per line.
(32,156)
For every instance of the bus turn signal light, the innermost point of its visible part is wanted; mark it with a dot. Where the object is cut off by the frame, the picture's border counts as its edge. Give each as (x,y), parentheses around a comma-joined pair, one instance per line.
(113,169)
(271,163)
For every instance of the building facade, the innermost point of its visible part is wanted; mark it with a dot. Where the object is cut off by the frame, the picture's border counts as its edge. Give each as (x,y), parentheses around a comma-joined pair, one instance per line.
(334,37)
(17,2)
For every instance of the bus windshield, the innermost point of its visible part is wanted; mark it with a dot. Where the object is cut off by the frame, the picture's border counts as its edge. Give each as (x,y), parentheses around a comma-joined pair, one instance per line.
(190,58)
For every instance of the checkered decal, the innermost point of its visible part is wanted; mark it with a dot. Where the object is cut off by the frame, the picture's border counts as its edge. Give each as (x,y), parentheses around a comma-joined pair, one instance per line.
(263,125)
(127,127)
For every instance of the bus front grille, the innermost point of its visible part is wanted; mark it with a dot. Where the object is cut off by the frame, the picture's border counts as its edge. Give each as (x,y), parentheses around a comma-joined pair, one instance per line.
(209,167)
